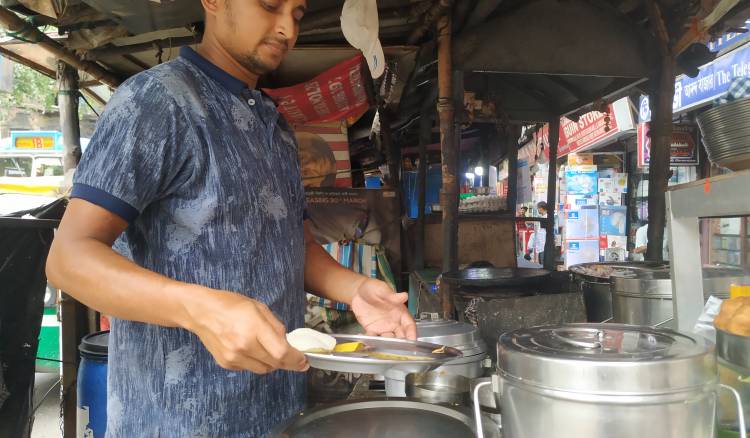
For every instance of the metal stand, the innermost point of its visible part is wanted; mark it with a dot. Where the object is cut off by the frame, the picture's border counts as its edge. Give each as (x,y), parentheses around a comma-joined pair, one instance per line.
(721,196)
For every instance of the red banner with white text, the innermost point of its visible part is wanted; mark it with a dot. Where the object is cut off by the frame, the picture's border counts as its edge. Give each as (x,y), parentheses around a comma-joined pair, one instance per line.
(336,94)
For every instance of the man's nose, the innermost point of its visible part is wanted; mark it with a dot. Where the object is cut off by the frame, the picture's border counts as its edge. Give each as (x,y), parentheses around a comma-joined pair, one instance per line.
(286,27)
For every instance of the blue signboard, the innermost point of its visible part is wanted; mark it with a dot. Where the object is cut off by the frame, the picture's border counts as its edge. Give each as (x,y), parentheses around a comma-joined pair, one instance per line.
(728,40)
(712,81)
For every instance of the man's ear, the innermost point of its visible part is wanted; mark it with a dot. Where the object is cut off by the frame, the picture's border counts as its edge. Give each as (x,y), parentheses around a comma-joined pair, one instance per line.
(212,6)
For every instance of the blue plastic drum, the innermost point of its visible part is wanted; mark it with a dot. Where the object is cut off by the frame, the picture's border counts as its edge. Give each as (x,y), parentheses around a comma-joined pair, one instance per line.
(92,385)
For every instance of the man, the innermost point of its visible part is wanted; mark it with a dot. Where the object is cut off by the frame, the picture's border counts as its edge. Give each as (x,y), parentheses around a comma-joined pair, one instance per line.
(538,238)
(641,244)
(193,176)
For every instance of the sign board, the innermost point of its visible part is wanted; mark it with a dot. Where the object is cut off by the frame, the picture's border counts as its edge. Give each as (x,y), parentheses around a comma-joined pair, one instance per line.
(336,94)
(712,82)
(592,129)
(683,149)
(728,40)
(35,140)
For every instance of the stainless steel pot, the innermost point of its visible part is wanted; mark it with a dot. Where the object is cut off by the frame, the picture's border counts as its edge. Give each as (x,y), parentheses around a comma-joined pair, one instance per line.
(642,298)
(459,335)
(605,380)
(593,280)
(438,387)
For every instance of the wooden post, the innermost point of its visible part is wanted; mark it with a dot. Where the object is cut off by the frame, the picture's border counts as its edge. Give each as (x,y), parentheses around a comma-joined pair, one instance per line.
(425,138)
(449,153)
(661,137)
(67,79)
(549,244)
(73,313)
(391,150)
(512,153)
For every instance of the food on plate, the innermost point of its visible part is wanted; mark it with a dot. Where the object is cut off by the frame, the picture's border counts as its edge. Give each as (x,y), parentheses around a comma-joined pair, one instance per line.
(311,341)
(390,356)
(734,316)
(349,347)
(440,350)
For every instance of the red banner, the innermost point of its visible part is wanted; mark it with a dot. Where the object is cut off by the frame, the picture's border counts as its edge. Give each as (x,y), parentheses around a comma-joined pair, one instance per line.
(683,149)
(589,129)
(336,94)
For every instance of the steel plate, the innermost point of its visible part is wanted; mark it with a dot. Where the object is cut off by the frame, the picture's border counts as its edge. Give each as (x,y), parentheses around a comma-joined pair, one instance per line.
(361,362)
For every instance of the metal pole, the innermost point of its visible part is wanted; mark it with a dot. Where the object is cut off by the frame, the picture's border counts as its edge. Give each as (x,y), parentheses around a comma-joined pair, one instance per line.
(425,137)
(549,244)
(449,152)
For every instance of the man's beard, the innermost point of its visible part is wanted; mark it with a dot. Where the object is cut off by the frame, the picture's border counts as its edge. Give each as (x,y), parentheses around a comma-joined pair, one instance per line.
(255,63)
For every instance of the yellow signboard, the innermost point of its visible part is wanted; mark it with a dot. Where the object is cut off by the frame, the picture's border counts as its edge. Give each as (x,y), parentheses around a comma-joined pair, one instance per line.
(37,142)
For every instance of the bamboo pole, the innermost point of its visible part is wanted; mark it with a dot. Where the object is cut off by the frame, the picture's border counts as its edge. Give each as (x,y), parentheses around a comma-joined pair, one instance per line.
(449,152)
(16,25)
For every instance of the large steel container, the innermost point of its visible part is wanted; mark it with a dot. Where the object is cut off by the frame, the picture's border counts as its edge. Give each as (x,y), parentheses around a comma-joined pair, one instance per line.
(644,297)
(605,380)
(593,280)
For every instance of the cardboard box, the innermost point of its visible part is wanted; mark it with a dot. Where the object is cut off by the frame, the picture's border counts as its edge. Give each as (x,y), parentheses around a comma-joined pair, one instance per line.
(609,199)
(575,202)
(607,173)
(582,223)
(620,182)
(606,185)
(581,251)
(613,220)
(582,180)
(579,159)
(615,255)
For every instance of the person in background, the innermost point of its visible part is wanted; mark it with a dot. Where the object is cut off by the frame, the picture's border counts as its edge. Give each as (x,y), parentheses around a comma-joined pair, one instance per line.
(538,238)
(523,212)
(641,244)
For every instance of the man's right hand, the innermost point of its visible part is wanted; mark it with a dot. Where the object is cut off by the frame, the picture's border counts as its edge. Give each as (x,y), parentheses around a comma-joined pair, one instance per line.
(242,333)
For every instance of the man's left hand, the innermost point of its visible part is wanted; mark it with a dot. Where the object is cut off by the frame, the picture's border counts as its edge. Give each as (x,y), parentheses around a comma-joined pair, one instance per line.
(382,312)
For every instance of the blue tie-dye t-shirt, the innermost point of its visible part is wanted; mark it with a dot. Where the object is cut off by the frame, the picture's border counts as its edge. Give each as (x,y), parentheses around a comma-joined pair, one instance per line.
(205,171)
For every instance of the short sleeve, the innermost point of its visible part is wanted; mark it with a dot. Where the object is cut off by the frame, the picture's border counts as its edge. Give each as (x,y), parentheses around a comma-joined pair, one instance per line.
(138,153)
(641,237)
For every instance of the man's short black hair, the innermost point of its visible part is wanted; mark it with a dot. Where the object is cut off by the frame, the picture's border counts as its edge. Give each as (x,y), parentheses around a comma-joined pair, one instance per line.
(541,205)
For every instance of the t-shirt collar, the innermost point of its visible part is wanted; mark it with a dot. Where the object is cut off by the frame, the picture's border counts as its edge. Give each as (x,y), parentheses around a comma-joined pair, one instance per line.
(233,84)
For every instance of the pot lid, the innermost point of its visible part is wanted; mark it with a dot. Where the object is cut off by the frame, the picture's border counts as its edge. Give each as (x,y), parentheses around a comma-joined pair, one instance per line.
(495,277)
(652,284)
(606,359)
(460,335)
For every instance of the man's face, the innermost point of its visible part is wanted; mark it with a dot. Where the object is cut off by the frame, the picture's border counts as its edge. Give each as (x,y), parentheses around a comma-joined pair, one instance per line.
(258,33)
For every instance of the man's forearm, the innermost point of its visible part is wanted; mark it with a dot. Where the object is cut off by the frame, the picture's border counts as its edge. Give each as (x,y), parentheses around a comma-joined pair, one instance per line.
(325,277)
(97,276)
